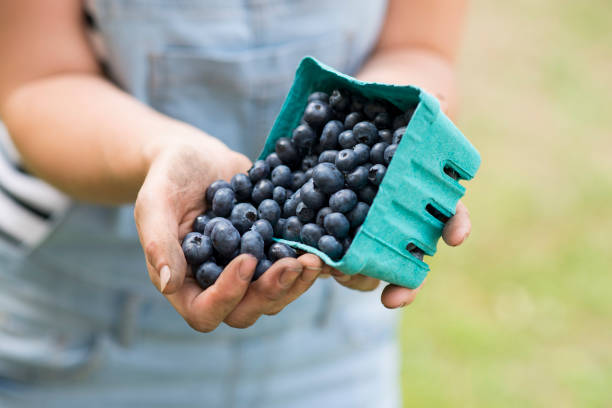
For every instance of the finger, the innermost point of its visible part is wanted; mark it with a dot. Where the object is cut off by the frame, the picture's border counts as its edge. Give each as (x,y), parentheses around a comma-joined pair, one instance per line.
(205,310)
(265,292)
(358,282)
(158,233)
(394,296)
(457,229)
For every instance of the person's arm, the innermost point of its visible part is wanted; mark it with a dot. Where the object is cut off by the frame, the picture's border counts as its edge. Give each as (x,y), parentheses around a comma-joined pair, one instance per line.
(87,137)
(418,46)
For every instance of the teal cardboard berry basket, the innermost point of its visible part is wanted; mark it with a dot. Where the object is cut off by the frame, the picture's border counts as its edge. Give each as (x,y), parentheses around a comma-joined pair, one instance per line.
(420,188)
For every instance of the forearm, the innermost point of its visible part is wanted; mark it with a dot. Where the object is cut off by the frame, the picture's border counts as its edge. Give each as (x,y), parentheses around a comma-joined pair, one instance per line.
(85,136)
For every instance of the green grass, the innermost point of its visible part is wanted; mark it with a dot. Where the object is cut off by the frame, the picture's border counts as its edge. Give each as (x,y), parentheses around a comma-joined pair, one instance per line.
(521,315)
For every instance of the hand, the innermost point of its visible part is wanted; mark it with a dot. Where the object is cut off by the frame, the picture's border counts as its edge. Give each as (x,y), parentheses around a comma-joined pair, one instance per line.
(170,198)
(455,232)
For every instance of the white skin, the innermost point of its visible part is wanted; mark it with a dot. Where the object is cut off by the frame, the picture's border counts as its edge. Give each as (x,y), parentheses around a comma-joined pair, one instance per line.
(90,139)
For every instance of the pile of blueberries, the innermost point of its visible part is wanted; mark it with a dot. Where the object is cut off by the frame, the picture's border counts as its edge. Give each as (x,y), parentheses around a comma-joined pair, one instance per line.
(316,188)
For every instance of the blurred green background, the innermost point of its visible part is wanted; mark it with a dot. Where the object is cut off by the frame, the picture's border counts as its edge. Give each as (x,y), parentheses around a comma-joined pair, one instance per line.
(521,315)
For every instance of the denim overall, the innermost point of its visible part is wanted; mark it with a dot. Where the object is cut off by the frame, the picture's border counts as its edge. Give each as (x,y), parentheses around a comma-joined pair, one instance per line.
(80,323)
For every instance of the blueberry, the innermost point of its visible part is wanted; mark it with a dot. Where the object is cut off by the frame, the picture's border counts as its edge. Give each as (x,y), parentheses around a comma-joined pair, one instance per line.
(343,201)
(336,224)
(386,136)
(340,100)
(346,139)
(252,243)
(281,176)
(327,178)
(376,174)
(318,96)
(242,186)
(346,243)
(269,210)
(330,133)
(398,134)
(321,215)
(389,152)
(317,114)
(358,214)
(346,160)
(383,121)
(367,194)
(312,197)
(259,171)
(328,156)
(373,108)
(279,228)
(358,102)
(223,202)
(365,132)
(358,178)
(352,119)
(377,153)
(330,246)
(310,234)
(399,121)
(262,266)
(262,190)
(207,274)
(304,137)
(212,189)
(225,239)
(293,226)
(309,162)
(273,160)
(243,216)
(225,259)
(298,179)
(279,250)
(305,213)
(291,204)
(211,224)
(308,173)
(362,153)
(197,248)
(200,223)
(279,194)
(264,228)
(286,151)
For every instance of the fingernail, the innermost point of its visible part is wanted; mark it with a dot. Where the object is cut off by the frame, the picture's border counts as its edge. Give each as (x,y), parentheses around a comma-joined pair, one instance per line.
(245,272)
(310,273)
(342,278)
(164,277)
(289,276)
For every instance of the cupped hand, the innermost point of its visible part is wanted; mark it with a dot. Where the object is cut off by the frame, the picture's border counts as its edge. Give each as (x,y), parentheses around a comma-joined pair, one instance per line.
(455,232)
(170,198)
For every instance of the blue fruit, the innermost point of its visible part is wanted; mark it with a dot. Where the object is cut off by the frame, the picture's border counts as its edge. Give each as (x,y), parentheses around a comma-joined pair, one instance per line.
(358,102)
(309,162)
(367,194)
(252,243)
(330,133)
(262,266)
(346,139)
(207,274)
(279,194)
(305,213)
(223,202)
(383,121)
(336,224)
(358,178)
(327,178)
(321,215)
(346,243)
(310,234)
(225,239)
(358,214)
(328,156)
(308,173)
(279,228)
(377,173)
(197,248)
(330,246)
(365,132)
(340,100)
(352,119)
(318,96)
(398,134)
(389,152)
(282,176)
(242,186)
(373,108)
(269,210)
(212,189)
(262,190)
(362,153)
(273,160)
(293,226)
(291,204)
(243,216)
(312,197)
(200,223)
(279,250)
(304,137)
(298,180)
(346,161)
(377,153)
(286,151)
(386,136)
(265,229)
(317,114)
(259,171)
(211,224)
(343,201)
